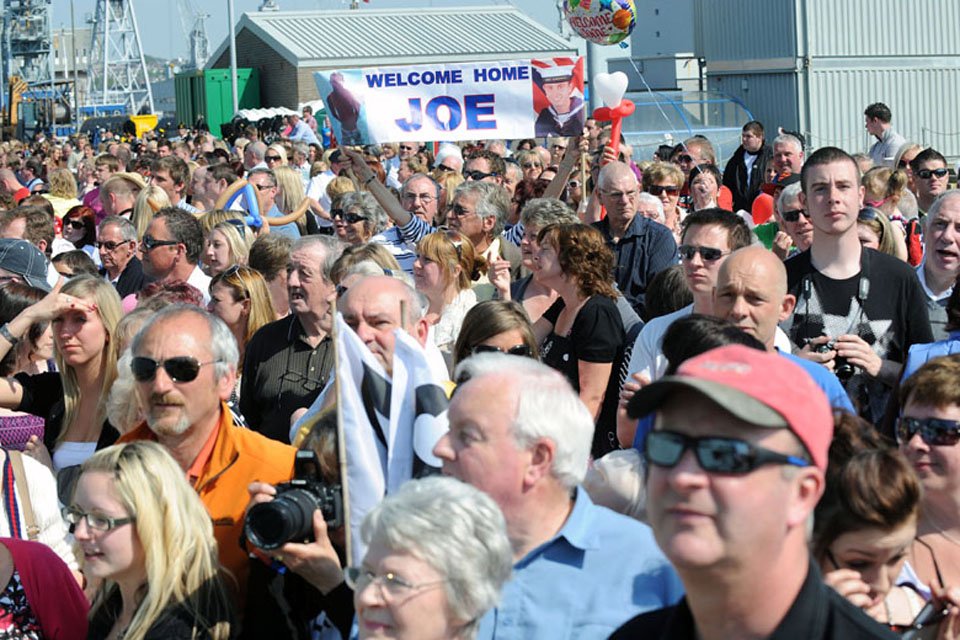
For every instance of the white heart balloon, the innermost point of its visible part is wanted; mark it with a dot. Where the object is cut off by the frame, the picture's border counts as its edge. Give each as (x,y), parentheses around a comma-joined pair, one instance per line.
(610,87)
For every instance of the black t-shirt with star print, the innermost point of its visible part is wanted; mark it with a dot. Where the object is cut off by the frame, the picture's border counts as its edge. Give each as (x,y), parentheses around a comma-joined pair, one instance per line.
(884,304)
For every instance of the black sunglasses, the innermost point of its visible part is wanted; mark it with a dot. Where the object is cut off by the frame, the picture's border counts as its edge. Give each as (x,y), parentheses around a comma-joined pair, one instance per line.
(349,218)
(709,254)
(109,246)
(234,270)
(656,190)
(272,158)
(716,455)
(478,175)
(76,223)
(518,350)
(941,433)
(926,173)
(792,215)
(530,165)
(179,368)
(441,168)
(685,158)
(149,242)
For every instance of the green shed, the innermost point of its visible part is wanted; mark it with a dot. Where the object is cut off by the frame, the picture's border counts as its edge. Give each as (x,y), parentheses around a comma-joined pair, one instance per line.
(207,93)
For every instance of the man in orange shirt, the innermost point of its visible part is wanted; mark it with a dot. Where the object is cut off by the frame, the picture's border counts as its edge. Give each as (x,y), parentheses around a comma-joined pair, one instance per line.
(185,363)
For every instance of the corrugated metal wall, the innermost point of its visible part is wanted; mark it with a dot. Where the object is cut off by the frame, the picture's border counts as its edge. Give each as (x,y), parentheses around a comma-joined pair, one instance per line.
(903,53)
(748,29)
(771,97)
(879,27)
(922,101)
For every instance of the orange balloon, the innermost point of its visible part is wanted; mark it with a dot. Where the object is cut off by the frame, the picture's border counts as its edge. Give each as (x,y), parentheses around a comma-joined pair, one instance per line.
(762,208)
(622,18)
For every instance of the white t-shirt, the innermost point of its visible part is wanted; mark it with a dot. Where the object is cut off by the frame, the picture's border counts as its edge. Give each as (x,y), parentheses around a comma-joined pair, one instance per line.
(647,357)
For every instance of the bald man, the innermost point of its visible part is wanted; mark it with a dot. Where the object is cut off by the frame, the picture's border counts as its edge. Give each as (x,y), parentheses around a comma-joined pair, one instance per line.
(643,247)
(751,292)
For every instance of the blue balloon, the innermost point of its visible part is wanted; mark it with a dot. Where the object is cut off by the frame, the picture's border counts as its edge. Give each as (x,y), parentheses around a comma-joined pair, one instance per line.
(247,198)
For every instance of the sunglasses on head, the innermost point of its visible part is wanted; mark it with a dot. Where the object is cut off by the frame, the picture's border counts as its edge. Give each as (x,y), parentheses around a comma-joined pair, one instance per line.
(234,270)
(349,218)
(941,433)
(656,190)
(792,215)
(925,174)
(716,455)
(868,214)
(477,176)
(179,368)
(709,254)
(149,242)
(518,350)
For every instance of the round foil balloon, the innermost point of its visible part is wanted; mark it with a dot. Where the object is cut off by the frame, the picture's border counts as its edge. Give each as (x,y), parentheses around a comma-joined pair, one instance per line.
(601,21)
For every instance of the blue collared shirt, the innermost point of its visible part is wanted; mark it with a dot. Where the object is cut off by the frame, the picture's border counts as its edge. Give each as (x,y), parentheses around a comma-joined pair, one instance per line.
(919,354)
(303,133)
(600,570)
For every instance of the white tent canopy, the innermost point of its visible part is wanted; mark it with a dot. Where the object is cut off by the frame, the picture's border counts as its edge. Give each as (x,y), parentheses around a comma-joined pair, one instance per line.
(254,115)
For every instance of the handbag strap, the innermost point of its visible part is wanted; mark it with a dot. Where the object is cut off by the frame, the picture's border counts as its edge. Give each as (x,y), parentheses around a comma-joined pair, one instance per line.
(20,478)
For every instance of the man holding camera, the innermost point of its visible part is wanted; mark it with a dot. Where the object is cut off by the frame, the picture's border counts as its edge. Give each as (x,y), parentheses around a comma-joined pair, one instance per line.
(858,310)
(185,365)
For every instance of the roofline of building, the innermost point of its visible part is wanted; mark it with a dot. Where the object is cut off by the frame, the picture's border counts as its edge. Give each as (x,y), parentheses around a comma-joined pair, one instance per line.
(249,21)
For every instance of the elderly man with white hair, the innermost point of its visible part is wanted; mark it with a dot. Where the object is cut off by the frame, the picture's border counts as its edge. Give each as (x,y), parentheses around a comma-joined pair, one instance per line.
(650,207)
(577,566)
(449,158)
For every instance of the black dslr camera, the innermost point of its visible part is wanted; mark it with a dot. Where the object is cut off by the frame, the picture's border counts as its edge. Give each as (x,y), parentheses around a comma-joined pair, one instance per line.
(841,367)
(289,516)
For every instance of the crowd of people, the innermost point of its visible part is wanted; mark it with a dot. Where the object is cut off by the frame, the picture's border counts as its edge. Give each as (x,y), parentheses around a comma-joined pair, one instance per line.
(686,400)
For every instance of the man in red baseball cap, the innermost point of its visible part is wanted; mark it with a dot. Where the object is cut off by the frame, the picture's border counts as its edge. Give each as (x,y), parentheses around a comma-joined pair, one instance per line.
(736,465)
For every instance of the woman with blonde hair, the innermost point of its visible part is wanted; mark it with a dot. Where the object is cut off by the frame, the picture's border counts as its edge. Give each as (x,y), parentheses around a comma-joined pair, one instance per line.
(446,266)
(239,296)
(84,313)
(531,164)
(290,195)
(143,210)
(149,540)
(228,244)
(448,181)
(275,156)
(63,191)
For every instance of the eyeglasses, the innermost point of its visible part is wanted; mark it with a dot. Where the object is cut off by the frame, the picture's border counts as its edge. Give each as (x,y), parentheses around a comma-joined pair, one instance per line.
(941,433)
(109,246)
(73,516)
(477,176)
(518,350)
(716,455)
(530,165)
(425,198)
(390,583)
(76,223)
(179,368)
(617,195)
(709,254)
(573,184)
(459,212)
(926,173)
(150,243)
(792,215)
(656,190)
(349,218)
(272,158)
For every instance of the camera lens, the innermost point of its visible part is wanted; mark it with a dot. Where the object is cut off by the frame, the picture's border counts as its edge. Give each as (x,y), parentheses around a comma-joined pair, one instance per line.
(289,517)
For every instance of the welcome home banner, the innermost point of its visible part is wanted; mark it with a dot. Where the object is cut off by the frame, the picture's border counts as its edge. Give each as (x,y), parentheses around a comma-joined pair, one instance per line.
(465,101)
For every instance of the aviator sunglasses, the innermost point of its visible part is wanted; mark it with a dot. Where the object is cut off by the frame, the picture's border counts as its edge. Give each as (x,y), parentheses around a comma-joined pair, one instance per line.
(179,368)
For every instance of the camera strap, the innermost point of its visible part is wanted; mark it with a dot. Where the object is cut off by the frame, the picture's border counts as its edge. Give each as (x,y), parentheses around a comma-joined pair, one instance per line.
(812,304)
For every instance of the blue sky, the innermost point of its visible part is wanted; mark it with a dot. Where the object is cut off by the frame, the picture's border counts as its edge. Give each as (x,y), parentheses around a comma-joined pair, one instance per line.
(163,36)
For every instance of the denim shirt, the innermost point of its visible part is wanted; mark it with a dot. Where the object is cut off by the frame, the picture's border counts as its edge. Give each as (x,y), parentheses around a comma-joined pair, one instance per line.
(600,570)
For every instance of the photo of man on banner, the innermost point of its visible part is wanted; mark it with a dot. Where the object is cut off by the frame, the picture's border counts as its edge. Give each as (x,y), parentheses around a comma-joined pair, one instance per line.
(558,97)
(344,107)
